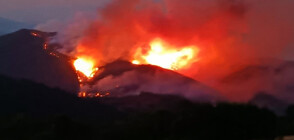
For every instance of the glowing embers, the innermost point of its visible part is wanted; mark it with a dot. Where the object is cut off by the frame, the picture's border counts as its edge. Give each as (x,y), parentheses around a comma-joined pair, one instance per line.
(85,71)
(45,46)
(35,34)
(166,56)
(85,66)
(93,95)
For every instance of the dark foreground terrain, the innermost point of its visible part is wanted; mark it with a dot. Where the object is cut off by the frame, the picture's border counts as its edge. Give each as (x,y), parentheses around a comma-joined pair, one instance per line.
(33,111)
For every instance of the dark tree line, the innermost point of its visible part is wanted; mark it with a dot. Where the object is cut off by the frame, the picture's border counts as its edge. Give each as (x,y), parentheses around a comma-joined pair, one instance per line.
(33,111)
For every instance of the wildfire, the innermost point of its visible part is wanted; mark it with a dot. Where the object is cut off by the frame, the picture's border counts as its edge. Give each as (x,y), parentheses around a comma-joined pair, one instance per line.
(166,56)
(85,66)
(35,34)
(158,53)
(135,62)
(92,95)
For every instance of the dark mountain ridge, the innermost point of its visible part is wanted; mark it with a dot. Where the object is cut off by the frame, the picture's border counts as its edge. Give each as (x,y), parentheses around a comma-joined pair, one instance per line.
(22,56)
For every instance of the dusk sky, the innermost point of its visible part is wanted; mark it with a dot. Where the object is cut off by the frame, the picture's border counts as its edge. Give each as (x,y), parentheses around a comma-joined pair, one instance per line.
(39,11)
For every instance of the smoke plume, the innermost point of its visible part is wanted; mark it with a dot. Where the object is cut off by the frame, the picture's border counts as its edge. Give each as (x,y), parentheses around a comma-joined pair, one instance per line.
(230,34)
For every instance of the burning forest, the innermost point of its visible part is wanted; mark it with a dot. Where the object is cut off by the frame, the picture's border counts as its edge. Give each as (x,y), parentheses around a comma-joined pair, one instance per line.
(203,40)
(221,68)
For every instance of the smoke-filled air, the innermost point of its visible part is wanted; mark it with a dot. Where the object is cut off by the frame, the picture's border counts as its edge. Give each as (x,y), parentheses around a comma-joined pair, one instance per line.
(211,41)
(147,69)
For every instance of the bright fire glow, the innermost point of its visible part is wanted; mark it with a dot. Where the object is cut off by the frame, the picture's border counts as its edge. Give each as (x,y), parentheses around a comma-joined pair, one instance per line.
(166,56)
(85,66)
(135,62)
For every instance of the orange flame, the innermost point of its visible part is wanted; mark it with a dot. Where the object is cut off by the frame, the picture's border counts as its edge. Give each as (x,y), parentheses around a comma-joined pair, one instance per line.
(166,56)
(85,66)
(160,53)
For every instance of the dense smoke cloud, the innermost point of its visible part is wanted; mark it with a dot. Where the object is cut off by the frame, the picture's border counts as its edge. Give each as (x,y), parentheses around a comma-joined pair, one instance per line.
(229,33)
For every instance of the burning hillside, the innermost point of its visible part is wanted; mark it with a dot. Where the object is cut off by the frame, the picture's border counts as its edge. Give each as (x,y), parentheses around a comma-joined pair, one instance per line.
(161,54)
(203,40)
(151,69)
(122,78)
(86,67)
(157,52)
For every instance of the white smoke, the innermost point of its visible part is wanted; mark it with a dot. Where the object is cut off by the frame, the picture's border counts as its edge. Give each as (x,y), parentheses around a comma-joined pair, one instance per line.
(161,82)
